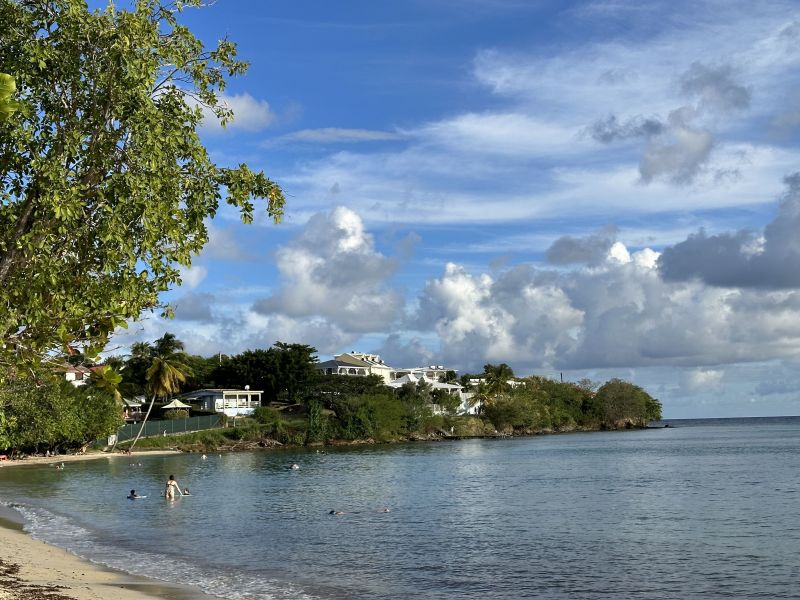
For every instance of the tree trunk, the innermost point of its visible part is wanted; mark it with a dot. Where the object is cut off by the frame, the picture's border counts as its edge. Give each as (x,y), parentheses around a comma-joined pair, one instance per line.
(144,422)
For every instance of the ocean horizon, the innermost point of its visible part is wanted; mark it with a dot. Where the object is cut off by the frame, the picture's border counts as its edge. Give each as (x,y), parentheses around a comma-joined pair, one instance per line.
(703,507)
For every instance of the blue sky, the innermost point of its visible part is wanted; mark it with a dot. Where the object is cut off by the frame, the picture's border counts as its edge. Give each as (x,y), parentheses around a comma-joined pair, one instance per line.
(604,189)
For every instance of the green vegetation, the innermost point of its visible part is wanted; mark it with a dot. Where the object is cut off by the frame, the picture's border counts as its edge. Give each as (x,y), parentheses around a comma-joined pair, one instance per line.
(165,373)
(305,407)
(105,187)
(49,414)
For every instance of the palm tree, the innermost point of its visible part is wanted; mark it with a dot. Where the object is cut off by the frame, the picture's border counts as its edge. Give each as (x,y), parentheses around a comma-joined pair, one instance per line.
(164,377)
(480,395)
(497,377)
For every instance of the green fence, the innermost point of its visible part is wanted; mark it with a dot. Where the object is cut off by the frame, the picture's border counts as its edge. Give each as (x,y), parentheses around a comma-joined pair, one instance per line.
(169,426)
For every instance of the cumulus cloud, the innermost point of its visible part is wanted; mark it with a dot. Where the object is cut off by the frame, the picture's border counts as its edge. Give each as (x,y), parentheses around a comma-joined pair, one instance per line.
(332,270)
(191,277)
(616,314)
(479,319)
(249,114)
(591,250)
(743,258)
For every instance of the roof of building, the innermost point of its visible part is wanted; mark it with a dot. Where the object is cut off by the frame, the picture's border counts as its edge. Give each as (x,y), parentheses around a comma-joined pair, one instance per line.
(340,363)
(411,378)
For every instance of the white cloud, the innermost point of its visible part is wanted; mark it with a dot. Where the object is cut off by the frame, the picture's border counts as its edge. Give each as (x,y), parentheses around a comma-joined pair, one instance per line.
(193,276)
(327,135)
(505,134)
(249,114)
(618,314)
(331,270)
(685,106)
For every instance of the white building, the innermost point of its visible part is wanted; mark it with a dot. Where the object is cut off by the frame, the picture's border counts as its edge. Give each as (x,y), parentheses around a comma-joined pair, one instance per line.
(451,388)
(233,403)
(357,364)
(431,372)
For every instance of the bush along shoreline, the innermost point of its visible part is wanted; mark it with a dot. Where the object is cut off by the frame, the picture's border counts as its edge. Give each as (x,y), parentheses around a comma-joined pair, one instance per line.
(332,413)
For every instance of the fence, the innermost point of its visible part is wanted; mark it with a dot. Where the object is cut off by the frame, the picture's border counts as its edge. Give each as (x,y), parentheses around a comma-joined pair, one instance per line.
(169,426)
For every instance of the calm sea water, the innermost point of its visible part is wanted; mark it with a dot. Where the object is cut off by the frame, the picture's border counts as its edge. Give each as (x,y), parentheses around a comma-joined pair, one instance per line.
(703,508)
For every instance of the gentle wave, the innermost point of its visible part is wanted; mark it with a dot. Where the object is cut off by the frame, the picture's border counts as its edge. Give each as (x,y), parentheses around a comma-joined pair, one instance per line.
(61,531)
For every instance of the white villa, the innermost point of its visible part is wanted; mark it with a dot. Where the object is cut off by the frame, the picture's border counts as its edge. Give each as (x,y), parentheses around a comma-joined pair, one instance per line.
(357,364)
(233,403)
(431,372)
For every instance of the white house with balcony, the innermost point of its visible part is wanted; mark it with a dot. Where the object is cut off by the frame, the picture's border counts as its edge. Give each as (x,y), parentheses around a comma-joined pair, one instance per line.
(232,403)
(358,364)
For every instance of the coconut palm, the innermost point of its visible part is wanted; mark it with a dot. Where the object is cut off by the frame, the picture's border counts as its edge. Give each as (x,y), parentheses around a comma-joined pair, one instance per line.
(479,395)
(164,377)
(497,377)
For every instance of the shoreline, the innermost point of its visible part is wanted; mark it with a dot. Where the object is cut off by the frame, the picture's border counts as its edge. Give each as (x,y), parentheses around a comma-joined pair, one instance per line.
(65,458)
(40,570)
(33,569)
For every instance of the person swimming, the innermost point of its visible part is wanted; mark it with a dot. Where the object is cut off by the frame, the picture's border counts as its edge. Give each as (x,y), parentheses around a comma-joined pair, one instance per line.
(186,492)
(172,486)
(295,467)
(337,513)
(133,495)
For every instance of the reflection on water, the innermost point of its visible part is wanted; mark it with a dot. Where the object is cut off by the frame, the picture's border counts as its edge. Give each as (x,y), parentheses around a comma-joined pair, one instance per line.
(707,509)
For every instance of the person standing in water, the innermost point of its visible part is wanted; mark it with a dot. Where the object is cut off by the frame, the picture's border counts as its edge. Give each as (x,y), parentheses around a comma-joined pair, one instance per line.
(172,486)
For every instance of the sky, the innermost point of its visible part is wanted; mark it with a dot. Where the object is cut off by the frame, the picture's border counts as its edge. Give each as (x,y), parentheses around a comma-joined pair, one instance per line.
(594,189)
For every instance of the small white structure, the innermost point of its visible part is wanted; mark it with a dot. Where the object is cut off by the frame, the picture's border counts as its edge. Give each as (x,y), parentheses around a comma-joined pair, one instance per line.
(233,403)
(77,375)
(451,388)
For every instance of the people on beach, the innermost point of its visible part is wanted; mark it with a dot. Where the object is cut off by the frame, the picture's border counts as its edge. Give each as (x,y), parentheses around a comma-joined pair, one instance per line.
(133,495)
(172,487)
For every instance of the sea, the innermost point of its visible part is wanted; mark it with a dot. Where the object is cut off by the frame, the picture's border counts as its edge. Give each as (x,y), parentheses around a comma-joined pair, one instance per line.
(699,509)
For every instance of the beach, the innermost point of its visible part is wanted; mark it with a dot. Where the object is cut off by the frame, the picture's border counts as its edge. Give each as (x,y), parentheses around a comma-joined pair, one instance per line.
(31,569)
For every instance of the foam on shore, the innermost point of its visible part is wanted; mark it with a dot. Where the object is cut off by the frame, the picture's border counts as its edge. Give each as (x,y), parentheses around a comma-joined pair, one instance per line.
(42,565)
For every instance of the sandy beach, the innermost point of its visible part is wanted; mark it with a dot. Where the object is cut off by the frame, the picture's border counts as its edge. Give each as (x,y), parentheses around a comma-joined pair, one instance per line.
(33,570)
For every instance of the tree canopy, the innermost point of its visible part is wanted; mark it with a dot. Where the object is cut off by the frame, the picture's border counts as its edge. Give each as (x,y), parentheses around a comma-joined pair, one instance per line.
(105,186)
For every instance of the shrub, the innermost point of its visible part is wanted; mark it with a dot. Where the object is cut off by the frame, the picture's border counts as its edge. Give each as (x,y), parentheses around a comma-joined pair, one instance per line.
(176,413)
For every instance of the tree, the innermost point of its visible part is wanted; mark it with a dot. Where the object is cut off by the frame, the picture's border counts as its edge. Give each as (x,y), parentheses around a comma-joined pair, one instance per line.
(164,377)
(105,187)
(284,371)
(43,412)
(497,378)
(617,401)
(134,376)
(8,106)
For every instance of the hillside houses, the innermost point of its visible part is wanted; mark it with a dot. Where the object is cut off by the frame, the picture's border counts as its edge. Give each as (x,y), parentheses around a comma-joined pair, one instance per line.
(359,364)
